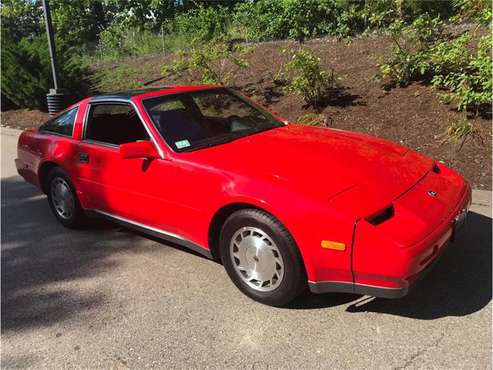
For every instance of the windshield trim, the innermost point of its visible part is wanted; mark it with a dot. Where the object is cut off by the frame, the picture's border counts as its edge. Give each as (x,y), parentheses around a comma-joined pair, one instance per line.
(227,90)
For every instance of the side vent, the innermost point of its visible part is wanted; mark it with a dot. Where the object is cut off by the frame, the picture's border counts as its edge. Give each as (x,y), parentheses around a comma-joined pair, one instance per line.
(381,216)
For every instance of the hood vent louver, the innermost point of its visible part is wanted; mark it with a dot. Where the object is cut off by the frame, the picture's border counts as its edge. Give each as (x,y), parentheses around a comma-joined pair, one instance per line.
(381,216)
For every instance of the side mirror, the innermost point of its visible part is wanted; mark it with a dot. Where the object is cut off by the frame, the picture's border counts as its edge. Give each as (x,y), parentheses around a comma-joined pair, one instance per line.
(138,149)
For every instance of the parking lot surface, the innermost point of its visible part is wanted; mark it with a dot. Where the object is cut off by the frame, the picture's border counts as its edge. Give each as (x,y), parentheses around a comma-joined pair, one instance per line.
(107,297)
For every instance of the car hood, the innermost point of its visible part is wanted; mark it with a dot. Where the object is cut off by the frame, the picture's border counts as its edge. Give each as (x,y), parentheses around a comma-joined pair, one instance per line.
(322,162)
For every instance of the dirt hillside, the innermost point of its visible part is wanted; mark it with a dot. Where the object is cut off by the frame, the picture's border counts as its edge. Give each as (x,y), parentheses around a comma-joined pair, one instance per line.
(413,116)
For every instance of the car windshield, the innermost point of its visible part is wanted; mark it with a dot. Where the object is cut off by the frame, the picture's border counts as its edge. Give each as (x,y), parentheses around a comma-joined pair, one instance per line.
(195,120)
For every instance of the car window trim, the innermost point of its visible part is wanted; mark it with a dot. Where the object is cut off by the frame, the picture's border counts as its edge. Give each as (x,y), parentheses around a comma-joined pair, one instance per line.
(48,132)
(115,101)
(100,143)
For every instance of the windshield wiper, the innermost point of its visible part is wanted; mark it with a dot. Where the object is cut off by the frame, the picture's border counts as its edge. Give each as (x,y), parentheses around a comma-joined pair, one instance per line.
(221,140)
(227,138)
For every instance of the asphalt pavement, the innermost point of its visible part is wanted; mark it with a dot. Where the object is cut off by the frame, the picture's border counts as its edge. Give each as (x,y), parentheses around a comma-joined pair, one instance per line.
(107,297)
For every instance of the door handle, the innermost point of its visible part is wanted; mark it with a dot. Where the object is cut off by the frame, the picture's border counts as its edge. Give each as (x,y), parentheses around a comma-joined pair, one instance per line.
(83,158)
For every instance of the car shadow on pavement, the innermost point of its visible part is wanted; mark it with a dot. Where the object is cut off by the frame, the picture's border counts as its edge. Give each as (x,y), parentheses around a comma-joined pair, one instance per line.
(310,301)
(43,263)
(459,284)
(39,255)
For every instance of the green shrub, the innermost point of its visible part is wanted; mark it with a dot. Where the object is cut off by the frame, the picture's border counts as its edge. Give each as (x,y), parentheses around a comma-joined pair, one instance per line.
(189,22)
(203,23)
(295,19)
(112,41)
(383,13)
(301,19)
(310,18)
(261,20)
(306,78)
(423,52)
(473,10)
(410,57)
(216,62)
(117,41)
(26,72)
(469,85)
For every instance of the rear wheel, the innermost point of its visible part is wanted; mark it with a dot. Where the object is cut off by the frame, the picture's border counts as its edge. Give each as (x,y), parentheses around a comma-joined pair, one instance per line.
(261,257)
(63,199)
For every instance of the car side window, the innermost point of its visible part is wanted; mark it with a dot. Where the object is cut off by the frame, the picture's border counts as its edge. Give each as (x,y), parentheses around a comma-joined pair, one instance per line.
(114,124)
(62,125)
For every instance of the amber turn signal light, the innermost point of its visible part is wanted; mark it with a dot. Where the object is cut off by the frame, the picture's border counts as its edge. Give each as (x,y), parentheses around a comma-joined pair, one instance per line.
(328,244)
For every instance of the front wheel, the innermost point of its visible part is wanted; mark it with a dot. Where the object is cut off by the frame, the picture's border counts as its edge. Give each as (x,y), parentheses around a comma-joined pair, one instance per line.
(261,257)
(63,199)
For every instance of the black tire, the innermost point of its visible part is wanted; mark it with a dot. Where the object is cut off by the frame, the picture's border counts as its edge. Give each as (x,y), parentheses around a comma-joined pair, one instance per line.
(293,280)
(76,218)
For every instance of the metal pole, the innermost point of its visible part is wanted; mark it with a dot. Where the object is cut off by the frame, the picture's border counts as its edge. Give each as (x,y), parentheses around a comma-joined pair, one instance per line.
(57,98)
(51,42)
(162,36)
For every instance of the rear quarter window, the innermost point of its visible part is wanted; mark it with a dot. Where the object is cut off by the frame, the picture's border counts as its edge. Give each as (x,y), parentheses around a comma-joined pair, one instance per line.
(61,125)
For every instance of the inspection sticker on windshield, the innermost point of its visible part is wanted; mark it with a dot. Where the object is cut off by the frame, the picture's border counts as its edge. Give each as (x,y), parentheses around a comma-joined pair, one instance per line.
(182,144)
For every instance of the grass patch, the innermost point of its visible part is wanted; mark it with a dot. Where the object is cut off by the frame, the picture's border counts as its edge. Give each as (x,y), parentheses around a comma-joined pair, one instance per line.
(312,119)
(121,77)
(460,130)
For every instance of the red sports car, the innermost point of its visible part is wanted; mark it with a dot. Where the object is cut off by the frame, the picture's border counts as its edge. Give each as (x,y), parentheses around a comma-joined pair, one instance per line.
(281,205)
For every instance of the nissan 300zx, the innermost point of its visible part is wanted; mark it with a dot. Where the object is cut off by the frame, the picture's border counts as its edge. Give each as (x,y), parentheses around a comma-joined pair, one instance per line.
(283,206)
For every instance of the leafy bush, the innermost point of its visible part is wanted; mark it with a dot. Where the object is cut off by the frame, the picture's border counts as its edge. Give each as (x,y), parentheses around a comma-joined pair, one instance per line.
(301,19)
(383,13)
(261,20)
(424,52)
(295,19)
(26,73)
(202,24)
(117,41)
(198,25)
(473,10)
(469,83)
(410,59)
(216,62)
(112,41)
(306,78)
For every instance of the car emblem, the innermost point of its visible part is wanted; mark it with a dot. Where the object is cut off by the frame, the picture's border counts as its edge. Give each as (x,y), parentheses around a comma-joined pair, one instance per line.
(432,193)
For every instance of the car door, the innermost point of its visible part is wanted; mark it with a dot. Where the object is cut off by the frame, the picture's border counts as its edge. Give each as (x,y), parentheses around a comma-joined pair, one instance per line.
(119,187)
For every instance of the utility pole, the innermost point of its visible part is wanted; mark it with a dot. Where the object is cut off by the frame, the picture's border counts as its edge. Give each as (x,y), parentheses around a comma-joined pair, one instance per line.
(51,42)
(57,98)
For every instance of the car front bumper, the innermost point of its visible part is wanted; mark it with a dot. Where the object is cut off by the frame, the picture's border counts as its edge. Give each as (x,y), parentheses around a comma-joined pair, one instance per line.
(409,265)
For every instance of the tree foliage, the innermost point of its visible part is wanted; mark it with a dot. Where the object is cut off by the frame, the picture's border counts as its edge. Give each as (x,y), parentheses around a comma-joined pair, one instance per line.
(295,19)
(116,28)
(26,74)
(80,22)
(202,23)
